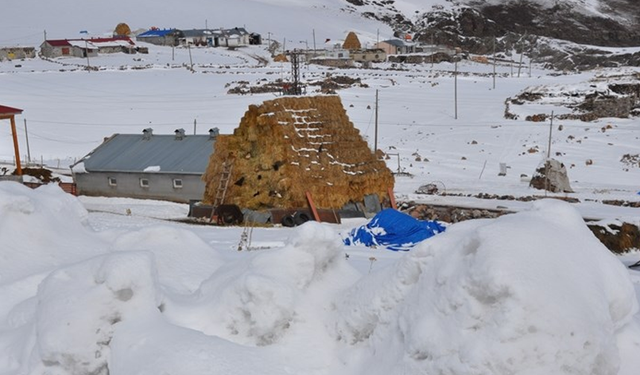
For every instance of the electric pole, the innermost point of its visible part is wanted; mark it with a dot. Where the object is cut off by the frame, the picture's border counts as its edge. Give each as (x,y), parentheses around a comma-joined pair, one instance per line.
(375,136)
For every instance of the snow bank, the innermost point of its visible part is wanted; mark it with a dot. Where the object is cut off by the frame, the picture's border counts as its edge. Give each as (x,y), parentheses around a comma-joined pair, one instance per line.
(41,229)
(80,307)
(183,259)
(254,301)
(529,293)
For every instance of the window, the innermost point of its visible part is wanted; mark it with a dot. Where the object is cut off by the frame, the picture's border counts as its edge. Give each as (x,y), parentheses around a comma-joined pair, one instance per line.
(112,181)
(177,183)
(144,182)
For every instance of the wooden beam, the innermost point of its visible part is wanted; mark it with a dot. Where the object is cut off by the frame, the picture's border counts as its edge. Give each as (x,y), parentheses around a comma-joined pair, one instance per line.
(392,199)
(316,216)
(15,145)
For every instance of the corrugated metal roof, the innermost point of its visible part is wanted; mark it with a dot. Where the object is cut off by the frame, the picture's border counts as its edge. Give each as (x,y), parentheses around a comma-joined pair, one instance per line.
(4,110)
(133,153)
(156,33)
(58,43)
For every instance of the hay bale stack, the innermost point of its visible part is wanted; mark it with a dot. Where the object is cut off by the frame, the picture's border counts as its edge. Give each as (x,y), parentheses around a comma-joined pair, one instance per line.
(352,42)
(291,145)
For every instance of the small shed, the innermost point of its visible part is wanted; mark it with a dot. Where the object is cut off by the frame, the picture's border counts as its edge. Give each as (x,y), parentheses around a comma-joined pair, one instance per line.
(291,146)
(163,167)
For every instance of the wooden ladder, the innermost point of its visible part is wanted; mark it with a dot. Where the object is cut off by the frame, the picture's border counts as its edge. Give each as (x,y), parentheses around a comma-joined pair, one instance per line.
(227,166)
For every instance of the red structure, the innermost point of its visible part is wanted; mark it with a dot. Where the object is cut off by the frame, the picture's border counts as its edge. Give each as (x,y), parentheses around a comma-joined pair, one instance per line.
(10,113)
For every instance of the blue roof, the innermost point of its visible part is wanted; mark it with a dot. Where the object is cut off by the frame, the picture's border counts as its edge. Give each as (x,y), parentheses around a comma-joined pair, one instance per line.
(135,153)
(156,33)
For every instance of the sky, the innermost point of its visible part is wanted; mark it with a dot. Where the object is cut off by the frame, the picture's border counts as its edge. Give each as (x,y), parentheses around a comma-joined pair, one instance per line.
(86,287)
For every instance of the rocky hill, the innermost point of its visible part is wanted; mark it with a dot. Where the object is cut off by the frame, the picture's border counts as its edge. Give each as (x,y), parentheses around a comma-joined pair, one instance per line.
(554,32)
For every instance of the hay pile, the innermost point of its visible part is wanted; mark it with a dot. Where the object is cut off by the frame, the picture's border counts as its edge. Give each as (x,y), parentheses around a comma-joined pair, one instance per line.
(352,42)
(291,145)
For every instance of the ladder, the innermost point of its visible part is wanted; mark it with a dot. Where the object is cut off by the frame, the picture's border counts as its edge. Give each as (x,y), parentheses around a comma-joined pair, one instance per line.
(221,192)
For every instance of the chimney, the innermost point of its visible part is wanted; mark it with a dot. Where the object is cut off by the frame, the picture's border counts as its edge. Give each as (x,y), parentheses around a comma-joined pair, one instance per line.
(147,133)
(213,133)
(179,134)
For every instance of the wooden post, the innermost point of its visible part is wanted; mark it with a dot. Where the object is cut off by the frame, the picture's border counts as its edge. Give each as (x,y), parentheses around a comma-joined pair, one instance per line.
(15,145)
(314,211)
(392,199)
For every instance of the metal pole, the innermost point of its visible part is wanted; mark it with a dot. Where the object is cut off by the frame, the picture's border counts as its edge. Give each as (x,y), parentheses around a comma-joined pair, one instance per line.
(26,135)
(375,137)
(86,51)
(550,130)
(194,126)
(455,85)
(314,42)
(494,63)
(190,60)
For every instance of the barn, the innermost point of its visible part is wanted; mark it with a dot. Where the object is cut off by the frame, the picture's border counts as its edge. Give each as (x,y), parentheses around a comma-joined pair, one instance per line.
(147,166)
(290,148)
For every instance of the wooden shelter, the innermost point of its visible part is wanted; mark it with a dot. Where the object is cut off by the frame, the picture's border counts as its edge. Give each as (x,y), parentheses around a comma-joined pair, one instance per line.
(291,146)
(10,113)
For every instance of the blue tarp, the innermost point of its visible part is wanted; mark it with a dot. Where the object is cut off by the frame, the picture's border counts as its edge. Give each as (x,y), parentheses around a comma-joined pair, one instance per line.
(394,230)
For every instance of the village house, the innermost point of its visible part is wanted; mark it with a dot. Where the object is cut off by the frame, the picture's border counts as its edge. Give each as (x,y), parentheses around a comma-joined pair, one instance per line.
(87,47)
(147,166)
(368,55)
(164,37)
(17,53)
(396,46)
(68,47)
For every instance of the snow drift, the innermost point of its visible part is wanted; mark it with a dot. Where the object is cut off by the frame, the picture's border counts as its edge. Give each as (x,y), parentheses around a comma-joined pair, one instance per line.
(528,293)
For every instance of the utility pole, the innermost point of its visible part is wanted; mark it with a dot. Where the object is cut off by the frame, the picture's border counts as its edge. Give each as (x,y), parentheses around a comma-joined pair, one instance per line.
(314,42)
(494,63)
(547,164)
(173,53)
(521,52)
(375,136)
(295,73)
(190,59)
(455,84)
(86,51)
(194,126)
(433,50)
(26,135)
(550,130)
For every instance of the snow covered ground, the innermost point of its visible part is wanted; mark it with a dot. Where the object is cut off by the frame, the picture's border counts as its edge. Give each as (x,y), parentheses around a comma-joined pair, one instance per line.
(93,285)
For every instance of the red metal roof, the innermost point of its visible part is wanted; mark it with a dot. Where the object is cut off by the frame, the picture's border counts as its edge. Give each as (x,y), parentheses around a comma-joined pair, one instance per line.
(4,110)
(59,43)
(114,39)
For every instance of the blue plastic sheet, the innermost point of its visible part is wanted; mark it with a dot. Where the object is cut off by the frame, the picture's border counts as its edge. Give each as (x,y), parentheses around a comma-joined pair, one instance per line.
(394,230)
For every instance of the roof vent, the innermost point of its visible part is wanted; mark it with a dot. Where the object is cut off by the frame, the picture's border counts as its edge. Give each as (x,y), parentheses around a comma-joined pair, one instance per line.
(147,133)
(180,134)
(213,133)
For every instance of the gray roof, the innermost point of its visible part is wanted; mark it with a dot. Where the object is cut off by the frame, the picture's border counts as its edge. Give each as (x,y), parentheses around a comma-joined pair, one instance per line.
(398,43)
(134,153)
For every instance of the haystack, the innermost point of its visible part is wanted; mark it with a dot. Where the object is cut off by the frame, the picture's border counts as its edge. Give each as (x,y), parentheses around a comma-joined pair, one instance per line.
(293,145)
(352,42)
(122,29)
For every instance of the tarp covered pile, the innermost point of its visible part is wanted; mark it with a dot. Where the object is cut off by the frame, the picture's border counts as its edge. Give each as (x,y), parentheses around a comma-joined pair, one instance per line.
(394,230)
